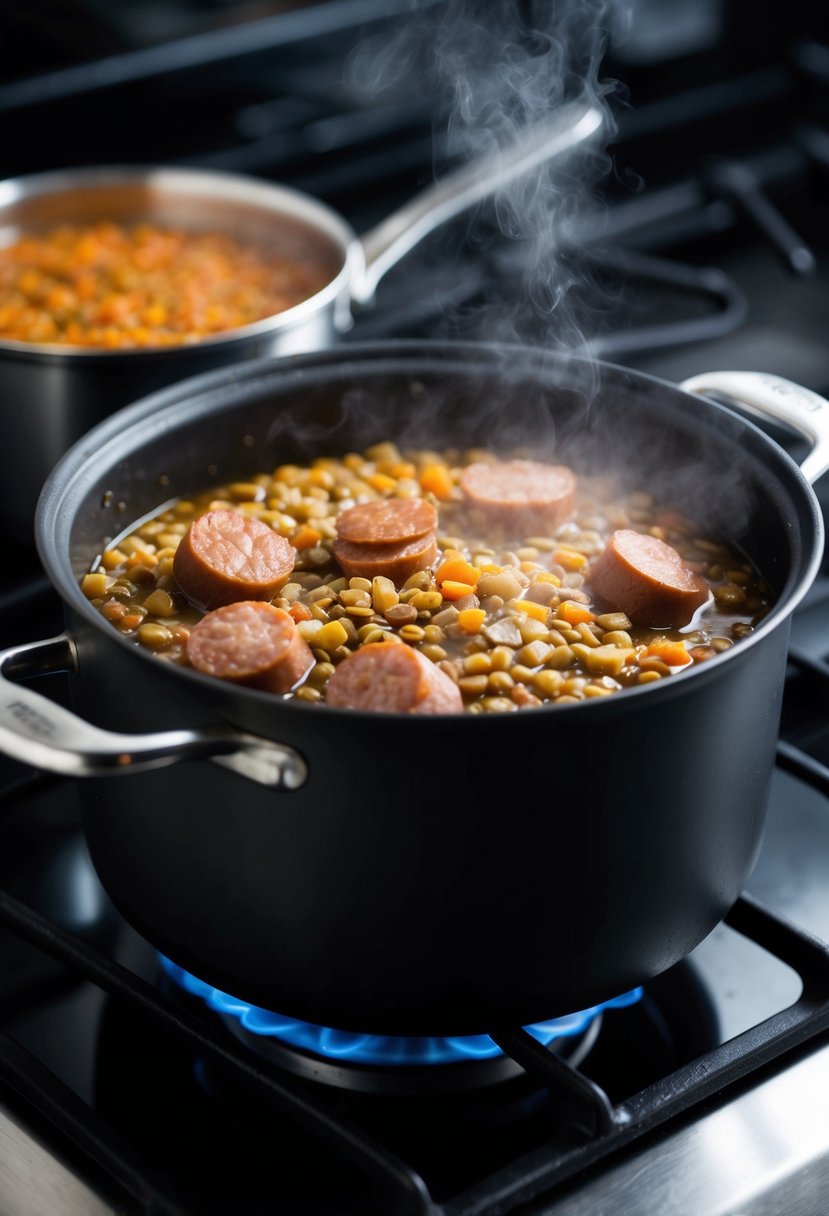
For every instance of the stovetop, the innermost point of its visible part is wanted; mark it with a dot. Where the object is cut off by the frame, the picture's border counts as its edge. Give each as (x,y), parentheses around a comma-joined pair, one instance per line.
(121,1093)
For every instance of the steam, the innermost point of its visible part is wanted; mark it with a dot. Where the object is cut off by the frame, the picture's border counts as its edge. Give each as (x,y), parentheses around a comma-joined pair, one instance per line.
(491,72)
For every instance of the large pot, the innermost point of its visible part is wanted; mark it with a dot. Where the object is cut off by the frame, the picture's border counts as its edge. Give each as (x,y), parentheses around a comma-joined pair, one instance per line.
(404,874)
(52,394)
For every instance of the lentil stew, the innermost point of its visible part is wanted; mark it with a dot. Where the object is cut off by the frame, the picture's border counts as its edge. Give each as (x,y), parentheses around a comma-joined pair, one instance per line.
(505,611)
(113,285)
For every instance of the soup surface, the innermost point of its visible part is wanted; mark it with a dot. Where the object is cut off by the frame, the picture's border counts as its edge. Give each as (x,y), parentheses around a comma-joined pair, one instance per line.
(508,584)
(112,286)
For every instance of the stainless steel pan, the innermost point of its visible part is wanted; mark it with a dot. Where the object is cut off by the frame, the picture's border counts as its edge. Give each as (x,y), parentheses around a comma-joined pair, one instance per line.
(50,395)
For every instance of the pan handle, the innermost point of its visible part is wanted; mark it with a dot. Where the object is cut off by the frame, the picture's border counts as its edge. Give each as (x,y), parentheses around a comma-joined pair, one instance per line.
(47,736)
(773,397)
(386,244)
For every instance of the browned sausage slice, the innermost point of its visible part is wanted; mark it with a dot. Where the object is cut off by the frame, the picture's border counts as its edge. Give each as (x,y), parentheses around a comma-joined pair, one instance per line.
(391,678)
(397,562)
(521,494)
(387,521)
(647,579)
(225,556)
(250,643)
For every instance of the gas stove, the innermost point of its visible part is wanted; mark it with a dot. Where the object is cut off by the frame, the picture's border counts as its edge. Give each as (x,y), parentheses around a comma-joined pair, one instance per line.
(127,1085)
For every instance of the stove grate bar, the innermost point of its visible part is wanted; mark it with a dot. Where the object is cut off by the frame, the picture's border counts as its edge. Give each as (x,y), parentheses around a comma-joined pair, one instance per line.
(590,1106)
(196,51)
(405,1190)
(738,1059)
(800,764)
(730,304)
(72,1118)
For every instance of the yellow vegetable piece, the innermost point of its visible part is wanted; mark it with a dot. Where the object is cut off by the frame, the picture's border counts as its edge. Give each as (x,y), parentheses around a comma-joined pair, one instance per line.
(471,619)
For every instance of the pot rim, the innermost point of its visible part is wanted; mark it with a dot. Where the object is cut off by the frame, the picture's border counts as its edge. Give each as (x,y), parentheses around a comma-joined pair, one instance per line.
(169,407)
(209,184)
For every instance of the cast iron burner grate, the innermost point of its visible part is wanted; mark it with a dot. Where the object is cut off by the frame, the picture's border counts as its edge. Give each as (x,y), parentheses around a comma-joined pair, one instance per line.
(598,1126)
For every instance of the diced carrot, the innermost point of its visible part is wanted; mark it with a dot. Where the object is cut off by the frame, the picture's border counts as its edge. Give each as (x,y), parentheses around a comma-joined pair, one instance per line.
(403,468)
(299,612)
(471,619)
(381,482)
(306,538)
(437,479)
(672,653)
(456,570)
(569,559)
(539,612)
(573,613)
(451,590)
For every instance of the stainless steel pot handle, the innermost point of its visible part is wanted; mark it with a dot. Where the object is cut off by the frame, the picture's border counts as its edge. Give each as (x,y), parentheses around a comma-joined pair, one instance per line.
(386,244)
(38,732)
(773,397)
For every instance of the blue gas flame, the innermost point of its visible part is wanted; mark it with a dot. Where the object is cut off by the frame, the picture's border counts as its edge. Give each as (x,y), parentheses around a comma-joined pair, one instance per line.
(375,1048)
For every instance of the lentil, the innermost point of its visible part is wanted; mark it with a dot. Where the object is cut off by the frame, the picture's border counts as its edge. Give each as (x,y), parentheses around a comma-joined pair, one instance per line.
(514,627)
(110,286)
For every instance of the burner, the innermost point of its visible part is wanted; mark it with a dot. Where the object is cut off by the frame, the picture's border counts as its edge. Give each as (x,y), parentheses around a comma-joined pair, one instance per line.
(390,1063)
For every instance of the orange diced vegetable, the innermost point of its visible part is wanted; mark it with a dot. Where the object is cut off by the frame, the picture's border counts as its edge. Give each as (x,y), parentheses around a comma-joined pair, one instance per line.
(471,619)
(299,612)
(672,653)
(306,538)
(569,559)
(538,612)
(381,482)
(452,590)
(457,570)
(437,479)
(403,468)
(573,613)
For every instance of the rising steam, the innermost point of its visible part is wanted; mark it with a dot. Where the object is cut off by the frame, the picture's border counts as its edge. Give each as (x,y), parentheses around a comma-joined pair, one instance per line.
(490,72)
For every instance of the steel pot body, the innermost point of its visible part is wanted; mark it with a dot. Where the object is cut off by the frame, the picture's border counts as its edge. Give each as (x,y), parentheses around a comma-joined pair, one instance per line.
(51,395)
(434,875)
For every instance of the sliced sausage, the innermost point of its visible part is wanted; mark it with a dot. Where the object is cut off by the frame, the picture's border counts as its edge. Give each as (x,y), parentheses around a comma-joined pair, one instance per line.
(397,562)
(225,556)
(391,678)
(647,579)
(252,643)
(387,521)
(521,495)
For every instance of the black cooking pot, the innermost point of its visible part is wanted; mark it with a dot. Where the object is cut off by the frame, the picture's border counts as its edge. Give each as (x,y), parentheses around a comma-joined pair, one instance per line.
(421,875)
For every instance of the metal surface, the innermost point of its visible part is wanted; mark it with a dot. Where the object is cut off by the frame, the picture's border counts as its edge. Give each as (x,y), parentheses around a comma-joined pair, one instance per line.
(36,731)
(34,1181)
(386,244)
(765,1152)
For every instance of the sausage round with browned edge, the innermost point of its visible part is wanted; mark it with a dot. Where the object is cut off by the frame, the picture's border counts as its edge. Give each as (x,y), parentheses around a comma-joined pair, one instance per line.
(250,642)
(390,677)
(643,577)
(387,521)
(521,494)
(396,562)
(225,556)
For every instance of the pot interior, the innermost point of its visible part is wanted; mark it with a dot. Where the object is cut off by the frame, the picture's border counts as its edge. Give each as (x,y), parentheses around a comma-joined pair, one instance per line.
(690,454)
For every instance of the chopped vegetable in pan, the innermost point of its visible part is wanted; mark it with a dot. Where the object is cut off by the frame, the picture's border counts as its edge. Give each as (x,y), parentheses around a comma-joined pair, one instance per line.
(110,286)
